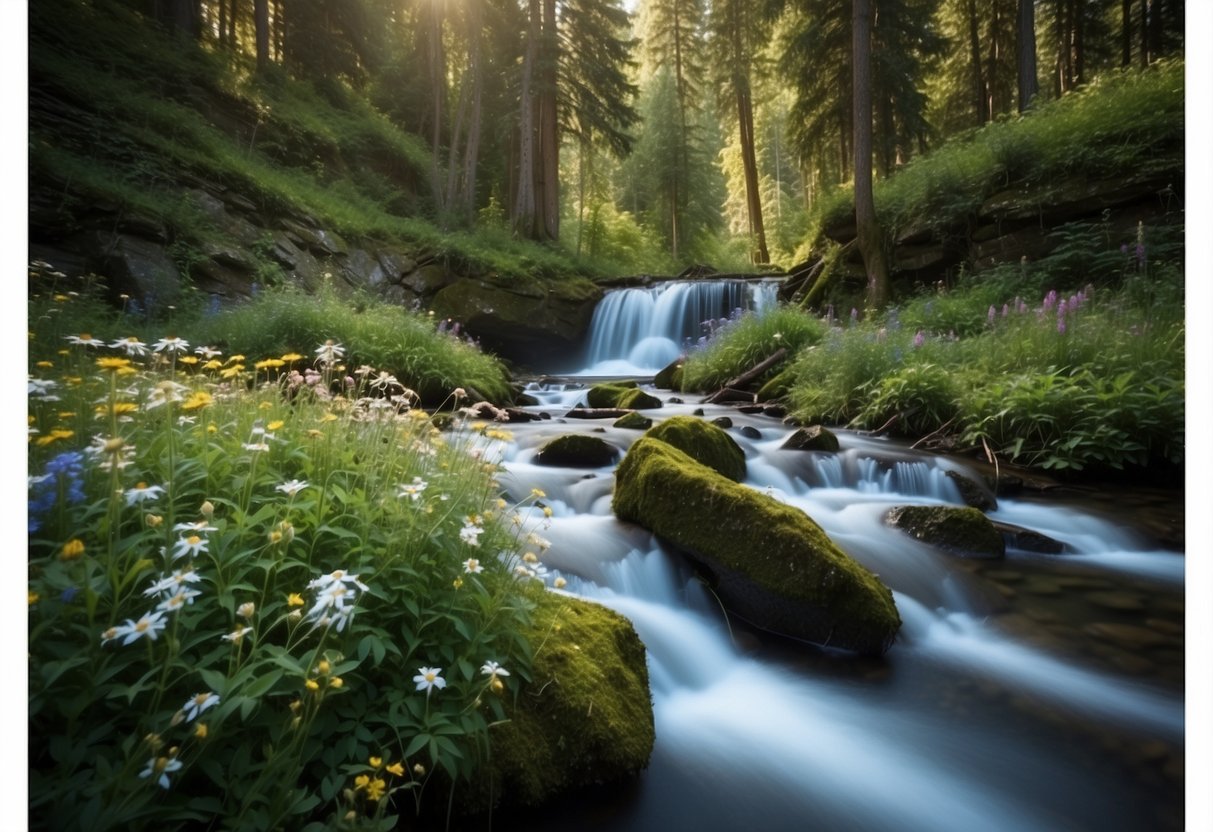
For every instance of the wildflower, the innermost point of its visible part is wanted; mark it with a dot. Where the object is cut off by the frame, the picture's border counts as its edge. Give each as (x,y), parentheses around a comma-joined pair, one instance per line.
(312,684)
(538,493)
(152,520)
(178,599)
(472,566)
(84,340)
(361,782)
(256,447)
(292,356)
(198,527)
(412,490)
(198,703)
(150,624)
(40,387)
(375,789)
(236,636)
(294,600)
(457,583)
(208,353)
(141,493)
(269,364)
(246,610)
(130,345)
(428,678)
(291,487)
(336,681)
(200,731)
(171,344)
(396,769)
(161,768)
(207,510)
(189,546)
(113,364)
(919,338)
(419,770)
(470,533)
(329,352)
(197,400)
(232,371)
(560,583)
(493,669)
(33,597)
(72,550)
(54,436)
(274,425)
(337,576)
(991,315)
(173,582)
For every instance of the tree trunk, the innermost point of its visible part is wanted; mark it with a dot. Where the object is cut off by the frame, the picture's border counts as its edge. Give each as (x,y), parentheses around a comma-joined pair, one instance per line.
(1080,58)
(223,23)
(1155,30)
(279,30)
(745,121)
(868,233)
(261,22)
(548,187)
(436,64)
(979,87)
(993,107)
(231,26)
(471,153)
(1126,32)
(1025,51)
(1145,33)
(524,204)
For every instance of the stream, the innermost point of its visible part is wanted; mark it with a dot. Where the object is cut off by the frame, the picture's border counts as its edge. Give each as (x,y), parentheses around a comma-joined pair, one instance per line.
(1036,692)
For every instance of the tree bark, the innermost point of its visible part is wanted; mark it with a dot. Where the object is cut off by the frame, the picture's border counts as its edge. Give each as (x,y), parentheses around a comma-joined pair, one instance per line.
(868,233)
(979,87)
(524,203)
(1025,49)
(745,121)
(1126,32)
(548,189)
(261,23)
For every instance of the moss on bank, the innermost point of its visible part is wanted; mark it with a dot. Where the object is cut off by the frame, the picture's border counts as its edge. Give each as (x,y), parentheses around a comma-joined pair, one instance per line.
(771,564)
(586,717)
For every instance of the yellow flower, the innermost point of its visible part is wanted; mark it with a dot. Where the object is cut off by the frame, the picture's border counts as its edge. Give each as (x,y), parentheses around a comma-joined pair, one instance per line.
(538,492)
(235,358)
(152,520)
(73,549)
(328,417)
(188,359)
(292,356)
(54,436)
(294,600)
(233,371)
(274,425)
(33,597)
(396,769)
(323,667)
(375,762)
(458,582)
(213,364)
(361,782)
(275,536)
(200,731)
(314,434)
(375,790)
(112,363)
(60,298)
(265,405)
(197,400)
(45,364)
(336,682)
(268,363)
(312,684)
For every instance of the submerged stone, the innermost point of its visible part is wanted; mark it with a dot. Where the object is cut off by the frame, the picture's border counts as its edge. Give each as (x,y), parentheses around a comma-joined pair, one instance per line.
(575,450)
(705,443)
(965,532)
(768,562)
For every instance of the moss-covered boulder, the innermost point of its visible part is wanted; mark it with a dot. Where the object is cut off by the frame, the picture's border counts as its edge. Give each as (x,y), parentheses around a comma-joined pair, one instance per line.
(586,717)
(633,421)
(768,562)
(815,438)
(705,443)
(576,450)
(625,394)
(669,377)
(960,531)
(973,493)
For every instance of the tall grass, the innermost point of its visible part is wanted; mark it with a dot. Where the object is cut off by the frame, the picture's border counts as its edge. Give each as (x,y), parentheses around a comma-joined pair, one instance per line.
(744,342)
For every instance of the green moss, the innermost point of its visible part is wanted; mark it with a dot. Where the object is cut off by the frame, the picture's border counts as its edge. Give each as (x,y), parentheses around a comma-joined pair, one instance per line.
(624,394)
(586,717)
(665,378)
(633,421)
(778,386)
(577,450)
(705,443)
(963,531)
(769,562)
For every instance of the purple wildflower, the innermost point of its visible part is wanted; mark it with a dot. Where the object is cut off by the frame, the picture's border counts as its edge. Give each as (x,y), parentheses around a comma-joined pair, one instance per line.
(919,339)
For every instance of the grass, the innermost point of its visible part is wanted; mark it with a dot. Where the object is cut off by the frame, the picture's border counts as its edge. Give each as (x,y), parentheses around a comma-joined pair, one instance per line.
(1125,121)
(120,111)
(233,574)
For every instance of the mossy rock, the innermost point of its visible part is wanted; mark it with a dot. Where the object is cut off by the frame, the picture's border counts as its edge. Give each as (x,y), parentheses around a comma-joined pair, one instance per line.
(705,443)
(585,718)
(633,421)
(777,386)
(768,562)
(576,450)
(960,531)
(625,394)
(665,378)
(815,438)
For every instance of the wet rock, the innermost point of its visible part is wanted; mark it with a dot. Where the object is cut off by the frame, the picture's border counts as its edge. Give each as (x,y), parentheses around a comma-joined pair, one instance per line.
(1124,601)
(575,450)
(965,532)
(625,395)
(815,438)
(751,408)
(698,412)
(723,422)
(633,421)
(767,562)
(973,493)
(750,432)
(669,377)
(1027,540)
(705,443)
(775,411)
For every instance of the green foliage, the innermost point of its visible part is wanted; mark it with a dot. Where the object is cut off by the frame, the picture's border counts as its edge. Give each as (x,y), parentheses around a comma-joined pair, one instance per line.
(744,342)
(403,343)
(232,585)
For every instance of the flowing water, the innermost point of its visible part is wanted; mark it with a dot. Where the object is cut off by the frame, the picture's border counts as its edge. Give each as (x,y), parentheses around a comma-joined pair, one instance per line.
(1036,692)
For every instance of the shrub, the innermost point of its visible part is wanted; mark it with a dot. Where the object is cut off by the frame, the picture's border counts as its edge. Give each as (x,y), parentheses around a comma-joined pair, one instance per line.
(746,341)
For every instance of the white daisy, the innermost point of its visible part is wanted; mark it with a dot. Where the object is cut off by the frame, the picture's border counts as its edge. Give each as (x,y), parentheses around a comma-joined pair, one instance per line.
(198,703)
(141,493)
(428,678)
(291,487)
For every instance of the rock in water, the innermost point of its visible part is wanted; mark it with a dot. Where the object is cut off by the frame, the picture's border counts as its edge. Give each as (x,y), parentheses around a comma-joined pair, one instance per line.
(575,450)
(768,562)
(705,443)
(622,394)
(815,438)
(961,531)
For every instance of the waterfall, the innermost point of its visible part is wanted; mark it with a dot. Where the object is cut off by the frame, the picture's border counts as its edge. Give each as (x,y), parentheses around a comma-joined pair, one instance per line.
(639,331)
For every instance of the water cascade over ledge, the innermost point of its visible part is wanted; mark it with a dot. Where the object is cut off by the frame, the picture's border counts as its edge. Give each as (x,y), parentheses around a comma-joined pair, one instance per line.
(640,330)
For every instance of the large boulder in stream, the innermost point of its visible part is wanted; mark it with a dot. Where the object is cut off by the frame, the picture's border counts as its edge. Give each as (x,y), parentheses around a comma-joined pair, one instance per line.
(705,443)
(576,450)
(814,438)
(768,562)
(964,532)
(625,395)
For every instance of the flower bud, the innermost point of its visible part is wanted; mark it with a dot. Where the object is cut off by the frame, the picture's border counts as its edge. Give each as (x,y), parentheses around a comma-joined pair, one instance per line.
(207,509)
(246,610)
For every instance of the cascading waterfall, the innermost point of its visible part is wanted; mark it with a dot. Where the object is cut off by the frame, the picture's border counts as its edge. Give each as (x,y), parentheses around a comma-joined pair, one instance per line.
(638,331)
(964,726)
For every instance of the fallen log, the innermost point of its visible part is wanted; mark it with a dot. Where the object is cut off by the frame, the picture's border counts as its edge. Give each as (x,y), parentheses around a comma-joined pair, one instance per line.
(597,413)
(749,375)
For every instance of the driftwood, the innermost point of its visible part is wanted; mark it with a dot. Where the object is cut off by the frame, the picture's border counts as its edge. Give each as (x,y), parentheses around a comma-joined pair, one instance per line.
(730,394)
(733,385)
(597,413)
